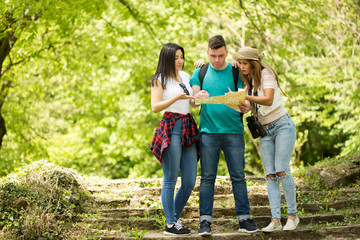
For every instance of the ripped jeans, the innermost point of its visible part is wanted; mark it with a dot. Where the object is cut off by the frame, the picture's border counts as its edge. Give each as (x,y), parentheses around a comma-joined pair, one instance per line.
(276,150)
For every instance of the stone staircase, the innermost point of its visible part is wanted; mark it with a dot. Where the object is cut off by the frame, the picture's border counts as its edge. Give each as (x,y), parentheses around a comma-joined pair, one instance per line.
(131,209)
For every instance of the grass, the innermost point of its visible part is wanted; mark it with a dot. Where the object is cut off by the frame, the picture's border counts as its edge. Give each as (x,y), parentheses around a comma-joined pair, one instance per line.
(328,162)
(252,183)
(328,196)
(144,184)
(326,225)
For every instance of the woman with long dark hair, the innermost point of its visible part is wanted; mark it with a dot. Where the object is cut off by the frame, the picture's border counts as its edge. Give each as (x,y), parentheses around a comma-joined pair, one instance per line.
(175,139)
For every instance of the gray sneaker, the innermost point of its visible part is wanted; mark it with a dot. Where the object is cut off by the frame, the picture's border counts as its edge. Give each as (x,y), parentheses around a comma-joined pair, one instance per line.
(272,227)
(176,229)
(291,224)
(181,224)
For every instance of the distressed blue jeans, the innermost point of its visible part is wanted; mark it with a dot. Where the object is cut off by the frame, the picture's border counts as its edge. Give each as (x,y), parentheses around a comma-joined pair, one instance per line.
(175,158)
(276,150)
(233,147)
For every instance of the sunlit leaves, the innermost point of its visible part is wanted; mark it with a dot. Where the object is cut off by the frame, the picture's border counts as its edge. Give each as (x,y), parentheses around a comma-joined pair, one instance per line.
(82,98)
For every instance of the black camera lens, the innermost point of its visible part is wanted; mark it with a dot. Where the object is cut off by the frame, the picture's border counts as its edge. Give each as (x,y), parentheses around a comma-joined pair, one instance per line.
(255,127)
(261,130)
(250,119)
(251,127)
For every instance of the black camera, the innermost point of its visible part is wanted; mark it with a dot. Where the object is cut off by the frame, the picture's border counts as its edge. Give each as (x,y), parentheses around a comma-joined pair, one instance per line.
(255,127)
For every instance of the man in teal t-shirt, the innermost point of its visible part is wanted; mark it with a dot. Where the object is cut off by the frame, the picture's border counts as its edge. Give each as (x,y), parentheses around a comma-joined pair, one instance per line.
(218,118)
(221,128)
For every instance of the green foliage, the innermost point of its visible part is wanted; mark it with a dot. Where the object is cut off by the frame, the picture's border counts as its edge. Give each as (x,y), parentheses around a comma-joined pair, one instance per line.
(80,76)
(40,201)
(136,234)
(325,225)
(314,183)
(10,209)
(317,74)
(312,178)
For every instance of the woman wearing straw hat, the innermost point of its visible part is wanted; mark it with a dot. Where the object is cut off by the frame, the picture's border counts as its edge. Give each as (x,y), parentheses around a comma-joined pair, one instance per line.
(263,91)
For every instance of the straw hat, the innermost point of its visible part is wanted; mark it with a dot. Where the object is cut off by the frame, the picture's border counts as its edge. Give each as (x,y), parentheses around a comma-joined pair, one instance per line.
(248,53)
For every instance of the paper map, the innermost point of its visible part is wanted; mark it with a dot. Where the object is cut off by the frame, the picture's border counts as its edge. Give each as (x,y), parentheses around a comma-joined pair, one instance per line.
(230,99)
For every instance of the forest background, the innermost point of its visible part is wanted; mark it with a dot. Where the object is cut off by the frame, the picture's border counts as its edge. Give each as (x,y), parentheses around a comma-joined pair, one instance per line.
(75,76)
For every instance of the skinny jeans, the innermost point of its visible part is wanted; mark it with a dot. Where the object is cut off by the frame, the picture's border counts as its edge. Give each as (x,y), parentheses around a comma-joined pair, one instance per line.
(175,158)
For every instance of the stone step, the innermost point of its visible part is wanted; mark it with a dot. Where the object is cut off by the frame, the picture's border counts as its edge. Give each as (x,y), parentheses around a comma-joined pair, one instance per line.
(339,205)
(188,212)
(193,211)
(255,199)
(126,209)
(219,224)
(335,233)
(219,190)
(155,192)
(344,192)
(343,232)
(157,182)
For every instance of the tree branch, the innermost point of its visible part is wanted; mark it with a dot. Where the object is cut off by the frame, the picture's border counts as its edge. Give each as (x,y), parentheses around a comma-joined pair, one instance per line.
(252,22)
(262,35)
(135,15)
(115,29)
(11,64)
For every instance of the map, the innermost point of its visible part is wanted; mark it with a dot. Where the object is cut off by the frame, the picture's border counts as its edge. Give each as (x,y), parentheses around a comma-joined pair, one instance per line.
(230,99)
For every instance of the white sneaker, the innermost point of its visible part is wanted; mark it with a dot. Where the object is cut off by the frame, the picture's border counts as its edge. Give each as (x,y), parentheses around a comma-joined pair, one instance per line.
(291,224)
(272,227)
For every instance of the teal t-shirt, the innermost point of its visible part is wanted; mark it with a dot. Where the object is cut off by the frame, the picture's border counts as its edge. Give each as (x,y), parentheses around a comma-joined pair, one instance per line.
(218,118)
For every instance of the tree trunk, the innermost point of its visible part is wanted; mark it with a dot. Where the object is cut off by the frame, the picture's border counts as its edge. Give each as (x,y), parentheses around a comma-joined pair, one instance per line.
(2,129)
(5,49)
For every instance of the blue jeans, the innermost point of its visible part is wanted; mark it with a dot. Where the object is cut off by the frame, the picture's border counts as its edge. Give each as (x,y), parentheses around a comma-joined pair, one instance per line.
(175,158)
(233,147)
(276,150)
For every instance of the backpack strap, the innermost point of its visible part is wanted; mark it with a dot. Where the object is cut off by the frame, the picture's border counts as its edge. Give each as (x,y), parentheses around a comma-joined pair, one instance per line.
(204,68)
(235,72)
(202,73)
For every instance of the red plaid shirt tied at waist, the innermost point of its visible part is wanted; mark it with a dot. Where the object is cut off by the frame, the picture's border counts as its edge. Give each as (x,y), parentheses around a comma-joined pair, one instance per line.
(162,136)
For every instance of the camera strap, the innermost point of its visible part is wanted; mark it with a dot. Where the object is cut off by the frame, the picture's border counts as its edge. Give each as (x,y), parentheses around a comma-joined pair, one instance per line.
(254,105)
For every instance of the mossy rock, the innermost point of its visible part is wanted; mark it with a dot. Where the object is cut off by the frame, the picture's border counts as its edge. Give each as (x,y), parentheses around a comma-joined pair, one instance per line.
(336,172)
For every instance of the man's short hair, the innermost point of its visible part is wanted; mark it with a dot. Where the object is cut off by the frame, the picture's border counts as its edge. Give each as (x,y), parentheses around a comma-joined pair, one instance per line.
(216,42)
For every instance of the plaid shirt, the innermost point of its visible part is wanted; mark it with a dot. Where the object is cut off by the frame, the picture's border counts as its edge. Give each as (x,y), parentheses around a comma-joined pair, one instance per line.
(162,136)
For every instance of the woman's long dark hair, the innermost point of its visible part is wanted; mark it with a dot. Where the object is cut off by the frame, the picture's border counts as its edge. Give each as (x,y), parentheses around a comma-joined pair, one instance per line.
(166,64)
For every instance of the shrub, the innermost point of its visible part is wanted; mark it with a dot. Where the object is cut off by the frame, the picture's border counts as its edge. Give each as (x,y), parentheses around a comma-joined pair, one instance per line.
(40,201)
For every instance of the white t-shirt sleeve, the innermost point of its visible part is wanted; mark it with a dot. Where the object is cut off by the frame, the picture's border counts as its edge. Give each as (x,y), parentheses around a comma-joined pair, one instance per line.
(268,79)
